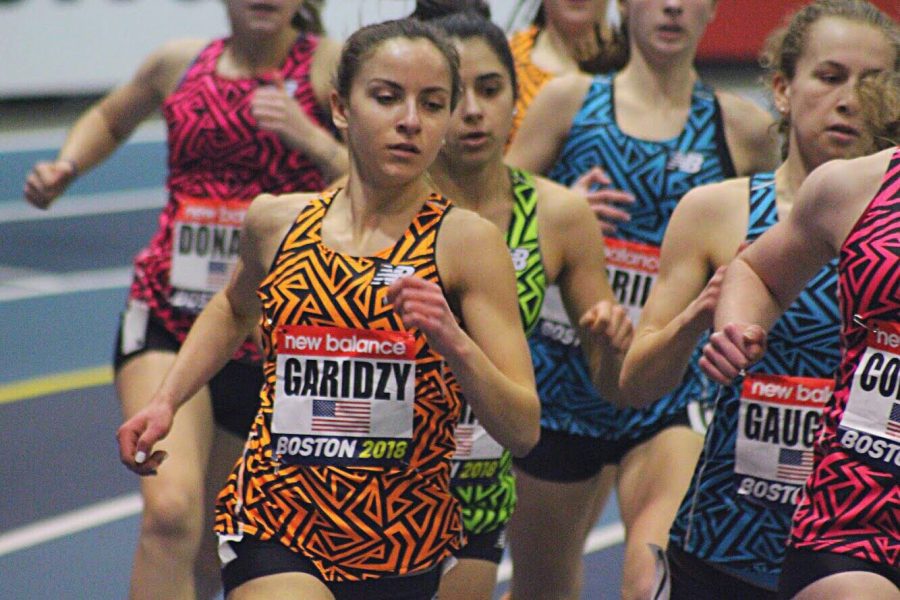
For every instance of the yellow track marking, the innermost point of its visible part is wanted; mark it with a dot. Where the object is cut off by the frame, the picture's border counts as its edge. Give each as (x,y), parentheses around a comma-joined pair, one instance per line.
(54,384)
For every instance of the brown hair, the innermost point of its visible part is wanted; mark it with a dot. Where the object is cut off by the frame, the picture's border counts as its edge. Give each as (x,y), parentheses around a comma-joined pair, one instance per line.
(360,45)
(428,10)
(309,17)
(786,45)
(467,25)
(879,96)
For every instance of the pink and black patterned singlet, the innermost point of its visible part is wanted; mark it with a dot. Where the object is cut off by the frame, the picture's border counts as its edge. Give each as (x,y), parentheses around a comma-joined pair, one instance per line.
(219,160)
(852,504)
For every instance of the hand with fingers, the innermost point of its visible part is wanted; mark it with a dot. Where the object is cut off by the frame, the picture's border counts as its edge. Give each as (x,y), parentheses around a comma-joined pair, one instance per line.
(609,324)
(140,433)
(421,304)
(277,111)
(603,200)
(47,181)
(731,350)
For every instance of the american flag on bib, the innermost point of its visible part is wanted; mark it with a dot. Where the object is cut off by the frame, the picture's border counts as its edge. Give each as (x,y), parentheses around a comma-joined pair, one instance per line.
(341,416)
(217,274)
(465,437)
(794,465)
(893,424)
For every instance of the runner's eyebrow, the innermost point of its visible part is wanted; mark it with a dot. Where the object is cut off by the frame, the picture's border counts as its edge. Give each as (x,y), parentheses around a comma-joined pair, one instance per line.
(494,75)
(397,87)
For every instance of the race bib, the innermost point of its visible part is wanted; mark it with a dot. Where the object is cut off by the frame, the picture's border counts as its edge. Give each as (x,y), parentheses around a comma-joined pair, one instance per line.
(778,422)
(205,243)
(632,269)
(477,457)
(554,322)
(870,426)
(343,396)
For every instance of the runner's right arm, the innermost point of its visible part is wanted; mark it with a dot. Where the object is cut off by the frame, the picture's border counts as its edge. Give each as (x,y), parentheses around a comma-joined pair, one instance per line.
(543,135)
(766,277)
(568,229)
(221,327)
(109,122)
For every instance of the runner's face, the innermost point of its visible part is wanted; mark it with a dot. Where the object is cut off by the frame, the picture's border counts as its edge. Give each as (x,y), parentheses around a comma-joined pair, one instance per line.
(261,16)
(481,122)
(399,109)
(667,27)
(821,101)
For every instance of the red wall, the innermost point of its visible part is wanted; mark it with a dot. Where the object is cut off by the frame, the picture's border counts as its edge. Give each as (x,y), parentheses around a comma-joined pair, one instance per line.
(740,27)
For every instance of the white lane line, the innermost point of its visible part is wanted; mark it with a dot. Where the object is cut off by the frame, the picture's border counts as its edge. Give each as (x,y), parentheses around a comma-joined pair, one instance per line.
(600,538)
(39,286)
(85,205)
(76,521)
(129,505)
(7,272)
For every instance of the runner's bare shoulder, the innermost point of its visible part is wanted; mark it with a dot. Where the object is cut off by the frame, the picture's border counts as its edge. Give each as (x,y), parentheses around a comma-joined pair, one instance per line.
(270,216)
(168,63)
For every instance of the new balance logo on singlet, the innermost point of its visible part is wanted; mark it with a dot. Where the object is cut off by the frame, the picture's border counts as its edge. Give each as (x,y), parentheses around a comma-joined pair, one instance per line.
(388,273)
(519,258)
(686,162)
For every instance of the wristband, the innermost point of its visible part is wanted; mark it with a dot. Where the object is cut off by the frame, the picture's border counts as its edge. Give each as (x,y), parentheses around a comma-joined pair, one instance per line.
(72,164)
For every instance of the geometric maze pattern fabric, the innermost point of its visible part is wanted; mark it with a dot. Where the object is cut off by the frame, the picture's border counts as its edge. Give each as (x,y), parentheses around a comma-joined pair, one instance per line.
(658,174)
(522,239)
(218,152)
(852,504)
(354,523)
(714,522)
(529,77)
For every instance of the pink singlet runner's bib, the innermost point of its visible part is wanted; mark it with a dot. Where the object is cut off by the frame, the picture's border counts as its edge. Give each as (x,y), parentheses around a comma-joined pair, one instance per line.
(870,425)
(205,243)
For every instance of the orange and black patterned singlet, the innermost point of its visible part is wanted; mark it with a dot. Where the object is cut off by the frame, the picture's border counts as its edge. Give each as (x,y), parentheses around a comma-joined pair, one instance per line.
(348,462)
(529,77)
